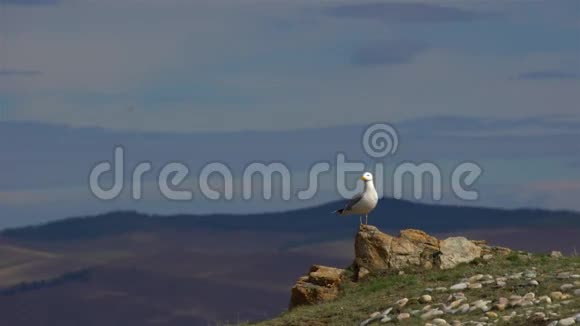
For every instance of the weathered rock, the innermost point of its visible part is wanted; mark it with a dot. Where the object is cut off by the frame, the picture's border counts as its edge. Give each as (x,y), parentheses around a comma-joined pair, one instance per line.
(425,298)
(556,254)
(376,251)
(403,316)
(459,286)
(567,321)
(321,284)
(457,250)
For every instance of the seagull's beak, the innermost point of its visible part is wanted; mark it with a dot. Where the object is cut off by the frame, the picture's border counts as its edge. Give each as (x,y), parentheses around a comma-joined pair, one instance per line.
(363,178)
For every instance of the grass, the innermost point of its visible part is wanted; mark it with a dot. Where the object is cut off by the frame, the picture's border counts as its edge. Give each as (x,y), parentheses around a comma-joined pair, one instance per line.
(377,293)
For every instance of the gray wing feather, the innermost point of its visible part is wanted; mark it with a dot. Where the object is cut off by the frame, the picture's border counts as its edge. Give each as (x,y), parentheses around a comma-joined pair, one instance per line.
(353,201)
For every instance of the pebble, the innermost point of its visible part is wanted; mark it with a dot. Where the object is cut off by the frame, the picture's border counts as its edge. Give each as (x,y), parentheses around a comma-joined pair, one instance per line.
(556,295)
(386,319)
(439,322)
(374,314)
(491,314)
(500,284)
(386,312)
(475,278)
(432,314)
(563,275)
(545,299)
(441,289)
(566,322)
(401,303)
(403,316)
(459,286)
(566,287)
(534,283)
(575,276)
(425,298)
(475,285)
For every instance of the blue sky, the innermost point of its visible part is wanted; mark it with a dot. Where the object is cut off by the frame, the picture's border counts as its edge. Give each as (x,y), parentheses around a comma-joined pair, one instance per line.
(181,68)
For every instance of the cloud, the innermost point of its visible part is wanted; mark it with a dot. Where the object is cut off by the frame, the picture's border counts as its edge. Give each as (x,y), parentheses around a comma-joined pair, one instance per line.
(389,52)
(405,12)
(548,75)
(19,72)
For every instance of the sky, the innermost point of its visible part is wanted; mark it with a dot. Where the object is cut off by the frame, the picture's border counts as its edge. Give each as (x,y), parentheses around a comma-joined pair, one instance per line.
(497,82)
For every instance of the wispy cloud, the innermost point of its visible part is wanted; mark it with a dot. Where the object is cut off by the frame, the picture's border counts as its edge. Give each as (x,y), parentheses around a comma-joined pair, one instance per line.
(388,52)
(405,12)
(548,75)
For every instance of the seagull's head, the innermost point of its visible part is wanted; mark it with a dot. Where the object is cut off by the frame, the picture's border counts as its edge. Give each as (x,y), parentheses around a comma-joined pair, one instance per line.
(367,176)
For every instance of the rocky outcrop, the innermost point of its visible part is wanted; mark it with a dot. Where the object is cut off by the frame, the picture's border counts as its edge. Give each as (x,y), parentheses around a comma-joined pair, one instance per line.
(378,252)
(321,284)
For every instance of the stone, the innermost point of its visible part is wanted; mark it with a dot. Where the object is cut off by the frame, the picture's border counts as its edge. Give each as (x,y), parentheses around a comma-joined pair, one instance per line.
(556,254)
(441,289)
(377,251)
(491,314)
(425,298)
(401,303)
(567,321)
(534,283)
(566,287)
(475,285)
(563,275)
(374,314)
(545,299)
(577,318)
(432,314)
(403,316)
(321,284)
(439,322)
(501,284)
(457,250)
(386,319)
(362,273)
(487,257)
(459,286)
(556,295)
(577,292)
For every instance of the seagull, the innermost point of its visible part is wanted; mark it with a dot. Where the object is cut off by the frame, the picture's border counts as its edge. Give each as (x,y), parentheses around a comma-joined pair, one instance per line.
(364,202)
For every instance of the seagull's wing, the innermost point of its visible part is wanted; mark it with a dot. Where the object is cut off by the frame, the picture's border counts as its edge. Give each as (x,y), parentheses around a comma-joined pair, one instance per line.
(353,202)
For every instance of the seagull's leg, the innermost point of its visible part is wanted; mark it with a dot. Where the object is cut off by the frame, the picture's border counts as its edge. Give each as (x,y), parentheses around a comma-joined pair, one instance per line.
(367,219)
(360,219)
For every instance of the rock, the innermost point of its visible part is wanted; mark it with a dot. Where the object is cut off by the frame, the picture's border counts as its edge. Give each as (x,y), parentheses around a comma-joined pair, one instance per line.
(431,314)
(362,273)
(475,285)
(487,257)
(491,314)
(577,317)
(501,284)
(459,286)
(567,321)
(374,314)
(377,251)
(441,289)
(425,298)
(556,295)
(403,316)
(457,250)
(575,276)
(563,276)
(401,303)
(566,287)
(577,292)
(545,299)
(556,254)
(534,283)
(439,322)
(475,278)
(386,312)
(321,284)
(386,319)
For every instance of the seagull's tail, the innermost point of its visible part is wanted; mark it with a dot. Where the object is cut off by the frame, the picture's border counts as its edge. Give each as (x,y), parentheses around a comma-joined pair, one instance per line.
(339,211)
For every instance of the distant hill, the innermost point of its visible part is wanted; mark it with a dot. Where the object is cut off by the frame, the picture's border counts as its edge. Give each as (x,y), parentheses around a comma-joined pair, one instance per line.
(391,214)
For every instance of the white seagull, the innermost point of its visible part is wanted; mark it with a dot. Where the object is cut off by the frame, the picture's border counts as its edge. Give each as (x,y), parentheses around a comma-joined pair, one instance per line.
(363,203)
